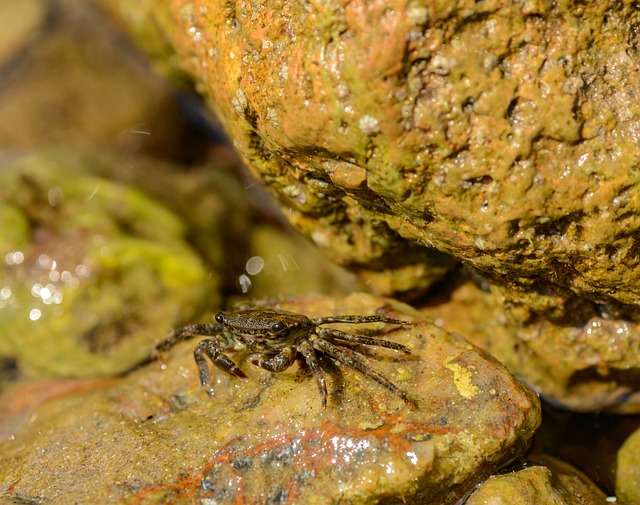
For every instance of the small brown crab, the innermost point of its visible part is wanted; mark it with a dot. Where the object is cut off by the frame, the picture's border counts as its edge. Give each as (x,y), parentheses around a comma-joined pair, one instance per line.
(275,337)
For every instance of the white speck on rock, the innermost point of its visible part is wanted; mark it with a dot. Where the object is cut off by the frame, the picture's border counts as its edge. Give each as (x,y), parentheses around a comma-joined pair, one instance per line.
(369,125)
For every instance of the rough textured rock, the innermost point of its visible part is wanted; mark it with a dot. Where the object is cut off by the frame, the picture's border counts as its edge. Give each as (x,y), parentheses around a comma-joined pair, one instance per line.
(546,481)
(628,471)
(91,270)
(591,365)
(155,436)
(502,133)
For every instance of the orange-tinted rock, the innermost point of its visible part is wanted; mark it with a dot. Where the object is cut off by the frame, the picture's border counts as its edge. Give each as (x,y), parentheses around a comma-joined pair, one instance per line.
(500,133)
(156,436)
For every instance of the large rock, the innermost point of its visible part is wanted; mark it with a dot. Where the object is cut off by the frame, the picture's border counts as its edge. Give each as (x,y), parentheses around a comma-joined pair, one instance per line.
(93,268)
(155,436)
(501,133)
(591,365)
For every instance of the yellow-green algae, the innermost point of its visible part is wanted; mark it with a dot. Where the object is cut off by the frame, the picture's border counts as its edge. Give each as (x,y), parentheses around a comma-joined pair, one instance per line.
(628,470)
(545,481)
(92,271)
(155,435)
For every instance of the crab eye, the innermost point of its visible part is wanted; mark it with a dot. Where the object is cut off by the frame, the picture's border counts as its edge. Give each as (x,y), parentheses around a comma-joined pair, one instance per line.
(219,318)
(279,326)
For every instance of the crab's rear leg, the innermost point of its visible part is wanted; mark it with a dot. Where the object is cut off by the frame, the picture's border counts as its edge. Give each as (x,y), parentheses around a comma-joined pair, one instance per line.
(358,320)
(362,339)
(211,348)
(358,364)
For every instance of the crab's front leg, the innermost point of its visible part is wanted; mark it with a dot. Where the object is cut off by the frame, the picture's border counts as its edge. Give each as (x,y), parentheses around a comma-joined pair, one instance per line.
(306,349)
(186,332)
(275,363)
(212,348)
(284,359)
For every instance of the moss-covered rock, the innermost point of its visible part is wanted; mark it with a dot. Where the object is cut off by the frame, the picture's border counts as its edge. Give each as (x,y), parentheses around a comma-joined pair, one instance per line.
(628,471)
(155,435)
(591,365)
(92,271)
(545,481)
(500,133)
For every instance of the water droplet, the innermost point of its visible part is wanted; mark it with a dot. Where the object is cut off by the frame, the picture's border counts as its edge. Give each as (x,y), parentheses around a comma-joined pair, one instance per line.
(254,265)
(245,283)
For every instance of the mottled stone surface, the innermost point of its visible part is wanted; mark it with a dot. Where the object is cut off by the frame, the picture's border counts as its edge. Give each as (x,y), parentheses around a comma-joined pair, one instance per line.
(90,269)
(591,365)
(628,471)
(504,134)
(546,481)
(155,436)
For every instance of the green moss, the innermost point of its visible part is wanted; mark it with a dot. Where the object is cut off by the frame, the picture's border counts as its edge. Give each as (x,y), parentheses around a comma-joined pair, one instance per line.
(104,270)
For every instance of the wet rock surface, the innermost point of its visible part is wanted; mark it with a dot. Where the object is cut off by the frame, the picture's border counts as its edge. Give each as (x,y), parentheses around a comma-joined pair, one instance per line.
(401,136)
(156,436)
(628,470)
(547,481)
(68,77)
(500,133)
(91,269)
(589,366)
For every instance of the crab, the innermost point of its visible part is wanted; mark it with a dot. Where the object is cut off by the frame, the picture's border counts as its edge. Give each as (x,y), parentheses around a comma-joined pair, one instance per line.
(274,338)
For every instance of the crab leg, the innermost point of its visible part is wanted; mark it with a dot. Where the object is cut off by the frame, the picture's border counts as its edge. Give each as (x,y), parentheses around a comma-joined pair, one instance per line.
(278,363)
(358,364)
(186,332)
(362,339)
(211,349)
(358,320)
(306,349)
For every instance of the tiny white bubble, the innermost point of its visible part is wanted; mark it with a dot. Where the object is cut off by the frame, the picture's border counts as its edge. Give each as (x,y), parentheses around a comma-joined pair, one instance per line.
(82,270)
(44,261)
(14,258)
(35,314)
(46,295)
(35,289)
(254,265)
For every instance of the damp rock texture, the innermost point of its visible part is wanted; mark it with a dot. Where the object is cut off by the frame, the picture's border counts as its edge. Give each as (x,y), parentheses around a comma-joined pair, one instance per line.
(155,436)
(628,470)
(547,481)
(91,269)
(591,365)
(504,134)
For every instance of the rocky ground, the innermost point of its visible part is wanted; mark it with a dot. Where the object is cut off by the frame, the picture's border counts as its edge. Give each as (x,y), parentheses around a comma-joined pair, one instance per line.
(477,160)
